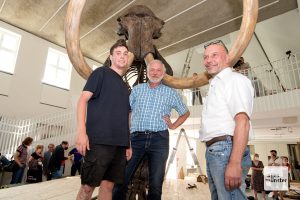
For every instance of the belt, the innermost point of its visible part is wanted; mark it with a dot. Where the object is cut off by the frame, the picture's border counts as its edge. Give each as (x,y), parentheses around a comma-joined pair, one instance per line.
(148,132)
(217,139)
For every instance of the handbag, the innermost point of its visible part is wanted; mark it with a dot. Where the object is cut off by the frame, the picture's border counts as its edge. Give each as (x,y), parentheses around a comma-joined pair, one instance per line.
(12,167)
(34,164)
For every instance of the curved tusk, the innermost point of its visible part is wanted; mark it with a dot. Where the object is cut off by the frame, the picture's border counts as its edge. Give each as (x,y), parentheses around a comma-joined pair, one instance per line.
(130,61)
(181,83)
(250,13)
(185,83)
(148,58)
(72,22)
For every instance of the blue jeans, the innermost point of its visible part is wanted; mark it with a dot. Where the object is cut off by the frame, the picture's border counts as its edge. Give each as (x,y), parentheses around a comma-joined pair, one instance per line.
(217,156)
(156,147)
(17,176)
(57,173)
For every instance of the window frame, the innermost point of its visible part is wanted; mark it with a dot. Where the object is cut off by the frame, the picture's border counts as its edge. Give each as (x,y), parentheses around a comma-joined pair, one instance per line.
(55,83)
(14,52)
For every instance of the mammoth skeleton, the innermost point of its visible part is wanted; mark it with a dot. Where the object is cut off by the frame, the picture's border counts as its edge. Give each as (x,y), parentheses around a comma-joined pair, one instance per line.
(140,26)
(144,48)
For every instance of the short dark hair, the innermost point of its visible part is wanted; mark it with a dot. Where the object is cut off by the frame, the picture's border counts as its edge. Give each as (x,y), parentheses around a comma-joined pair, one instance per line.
(273,151)
(118,43)
(27,141)
(285,158)
(64,142)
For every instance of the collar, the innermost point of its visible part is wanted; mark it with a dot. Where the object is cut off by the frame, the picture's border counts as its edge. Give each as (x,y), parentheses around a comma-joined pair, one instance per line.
(115,72)
(160,85)
(222,74)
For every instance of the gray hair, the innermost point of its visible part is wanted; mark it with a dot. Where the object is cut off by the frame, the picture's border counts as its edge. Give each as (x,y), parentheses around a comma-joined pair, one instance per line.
(156,61)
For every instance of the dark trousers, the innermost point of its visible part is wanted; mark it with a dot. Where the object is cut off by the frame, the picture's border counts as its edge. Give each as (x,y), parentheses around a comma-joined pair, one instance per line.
(75,167)
(48,175)
(17,175)
(155,146)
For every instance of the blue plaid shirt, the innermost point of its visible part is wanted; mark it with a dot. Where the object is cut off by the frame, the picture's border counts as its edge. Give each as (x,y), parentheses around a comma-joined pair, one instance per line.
(149,105)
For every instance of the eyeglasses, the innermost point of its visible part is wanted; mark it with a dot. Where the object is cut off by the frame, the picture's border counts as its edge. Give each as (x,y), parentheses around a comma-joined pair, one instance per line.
(217,42)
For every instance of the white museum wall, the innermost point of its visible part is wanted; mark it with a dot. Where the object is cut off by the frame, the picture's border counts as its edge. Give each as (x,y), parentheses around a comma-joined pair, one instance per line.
(22,93)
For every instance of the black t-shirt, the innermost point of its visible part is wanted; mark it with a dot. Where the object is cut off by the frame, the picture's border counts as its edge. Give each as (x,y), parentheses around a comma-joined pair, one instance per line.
(36,156)
(108,108)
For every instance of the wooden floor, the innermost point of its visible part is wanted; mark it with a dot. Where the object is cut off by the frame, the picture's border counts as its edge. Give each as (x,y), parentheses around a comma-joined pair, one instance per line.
(67,188)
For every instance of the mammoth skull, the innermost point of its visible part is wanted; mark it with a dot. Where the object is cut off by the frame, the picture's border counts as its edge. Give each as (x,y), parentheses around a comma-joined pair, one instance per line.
(127,27)
(140,26)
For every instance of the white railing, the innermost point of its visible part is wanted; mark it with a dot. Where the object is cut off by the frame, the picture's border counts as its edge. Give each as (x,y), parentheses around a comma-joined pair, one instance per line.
(276,85)
(51,128)
(275,77)
(272,78)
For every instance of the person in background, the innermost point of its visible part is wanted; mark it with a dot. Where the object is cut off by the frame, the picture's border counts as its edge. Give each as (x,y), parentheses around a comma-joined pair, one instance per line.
(20,158)
(257,178)
(57,160)
(47,156)
(275,161)
(3,161)
(35,170)
(76,165)
(285,163)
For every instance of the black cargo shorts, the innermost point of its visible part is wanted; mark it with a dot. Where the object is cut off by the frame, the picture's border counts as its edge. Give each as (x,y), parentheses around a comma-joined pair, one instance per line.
(103,162)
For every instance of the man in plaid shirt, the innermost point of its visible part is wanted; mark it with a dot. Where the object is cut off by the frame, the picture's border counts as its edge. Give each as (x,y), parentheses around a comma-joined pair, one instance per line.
(151,104)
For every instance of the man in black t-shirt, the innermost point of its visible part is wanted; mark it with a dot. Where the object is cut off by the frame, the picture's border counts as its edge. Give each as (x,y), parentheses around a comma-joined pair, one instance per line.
(57,160)
(102,126)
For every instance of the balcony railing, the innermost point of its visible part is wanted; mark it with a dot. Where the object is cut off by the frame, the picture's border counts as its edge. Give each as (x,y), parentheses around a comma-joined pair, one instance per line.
(275,77)
(276,86)
(50,128)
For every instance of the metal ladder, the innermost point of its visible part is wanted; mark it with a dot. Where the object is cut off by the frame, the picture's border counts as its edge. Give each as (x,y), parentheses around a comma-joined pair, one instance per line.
(193,154)
(186,66)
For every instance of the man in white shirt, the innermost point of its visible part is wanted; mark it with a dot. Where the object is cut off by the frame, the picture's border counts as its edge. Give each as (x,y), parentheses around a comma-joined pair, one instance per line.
(226,125)
(274,159)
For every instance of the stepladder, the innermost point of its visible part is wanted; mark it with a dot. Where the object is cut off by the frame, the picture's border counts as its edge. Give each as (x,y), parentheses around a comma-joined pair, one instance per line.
(201,176)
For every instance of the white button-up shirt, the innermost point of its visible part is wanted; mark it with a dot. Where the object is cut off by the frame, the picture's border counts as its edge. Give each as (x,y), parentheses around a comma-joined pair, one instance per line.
(229,93)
